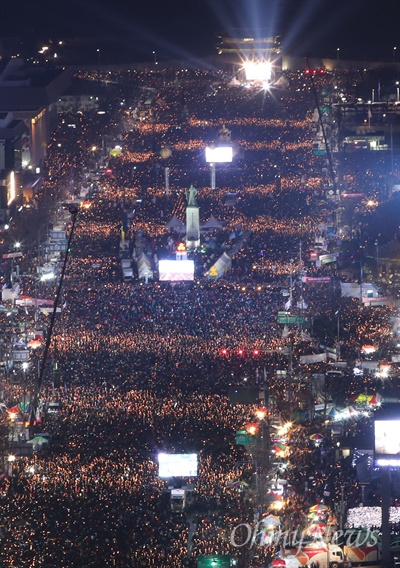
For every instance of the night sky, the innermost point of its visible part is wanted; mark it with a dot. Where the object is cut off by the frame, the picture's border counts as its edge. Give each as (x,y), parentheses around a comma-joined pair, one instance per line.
(130,30)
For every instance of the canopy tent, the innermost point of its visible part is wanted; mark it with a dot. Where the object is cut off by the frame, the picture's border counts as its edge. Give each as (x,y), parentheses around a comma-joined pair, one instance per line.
(221,267)
(370,399)
(211,224)
(144,267)
(176,225)
(319,507)
(38,440)
(271,520)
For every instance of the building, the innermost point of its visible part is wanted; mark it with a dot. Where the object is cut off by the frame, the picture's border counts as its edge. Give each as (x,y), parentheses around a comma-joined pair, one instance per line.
(28,115)
(29,93)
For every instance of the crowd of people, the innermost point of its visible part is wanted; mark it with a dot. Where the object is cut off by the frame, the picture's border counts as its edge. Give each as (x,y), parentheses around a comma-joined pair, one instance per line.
(146,367)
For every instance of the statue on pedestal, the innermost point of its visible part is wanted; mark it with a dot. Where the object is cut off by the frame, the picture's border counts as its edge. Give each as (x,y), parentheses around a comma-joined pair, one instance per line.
(191,196)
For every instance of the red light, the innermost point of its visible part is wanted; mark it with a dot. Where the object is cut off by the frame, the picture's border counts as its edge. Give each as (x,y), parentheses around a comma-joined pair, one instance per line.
(108,171)
(224,352)
(240,351)
(256,352)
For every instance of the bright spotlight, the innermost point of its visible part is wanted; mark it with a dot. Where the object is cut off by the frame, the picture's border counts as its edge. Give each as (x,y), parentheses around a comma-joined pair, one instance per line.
(258,71)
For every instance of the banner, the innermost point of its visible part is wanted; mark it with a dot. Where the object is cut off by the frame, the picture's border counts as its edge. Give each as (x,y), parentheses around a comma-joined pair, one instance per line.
(376,300)
(310,279)
(12,255)
(326,258)
(318,358)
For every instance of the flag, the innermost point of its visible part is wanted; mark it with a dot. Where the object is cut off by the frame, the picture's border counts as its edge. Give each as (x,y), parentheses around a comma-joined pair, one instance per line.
(288,305)
(285,332)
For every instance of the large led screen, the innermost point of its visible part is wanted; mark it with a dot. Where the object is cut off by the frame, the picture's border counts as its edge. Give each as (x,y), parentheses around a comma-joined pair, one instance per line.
(387,442)
(176,270)
(221,154)
(177,465)
(387,436)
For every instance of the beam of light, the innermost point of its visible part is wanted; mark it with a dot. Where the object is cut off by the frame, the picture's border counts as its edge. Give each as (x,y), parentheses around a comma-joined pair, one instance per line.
(311,23)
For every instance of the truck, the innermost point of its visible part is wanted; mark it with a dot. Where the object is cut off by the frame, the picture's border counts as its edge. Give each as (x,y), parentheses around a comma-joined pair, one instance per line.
(127,274)
(363,555)
(178,500)
(357,552)
(318,553)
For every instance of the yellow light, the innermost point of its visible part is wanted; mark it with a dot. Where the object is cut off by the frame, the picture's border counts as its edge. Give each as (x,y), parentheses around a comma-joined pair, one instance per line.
(261,414)
(11,194)
(252,430)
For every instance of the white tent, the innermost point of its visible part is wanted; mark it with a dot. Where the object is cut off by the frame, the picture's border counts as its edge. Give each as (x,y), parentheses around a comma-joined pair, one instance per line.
(212,223)
(176,225)
(144,267)
(221,267)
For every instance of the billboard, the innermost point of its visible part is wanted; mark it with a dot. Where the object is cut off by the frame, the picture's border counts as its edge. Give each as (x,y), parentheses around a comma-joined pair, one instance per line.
(387,436)
(176,270)
(177,465)
(220,154)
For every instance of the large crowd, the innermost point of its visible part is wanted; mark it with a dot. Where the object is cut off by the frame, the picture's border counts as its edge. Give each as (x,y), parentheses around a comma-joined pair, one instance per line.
(146,367)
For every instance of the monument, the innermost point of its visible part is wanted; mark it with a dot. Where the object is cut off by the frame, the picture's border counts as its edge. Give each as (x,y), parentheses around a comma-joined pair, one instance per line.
(192,219)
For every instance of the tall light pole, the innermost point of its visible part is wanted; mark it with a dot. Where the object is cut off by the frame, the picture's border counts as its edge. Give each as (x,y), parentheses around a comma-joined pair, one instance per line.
(394,54)
(38,387)
(337,314)
(155,58)
(262,416)
(338,53)
(99,56)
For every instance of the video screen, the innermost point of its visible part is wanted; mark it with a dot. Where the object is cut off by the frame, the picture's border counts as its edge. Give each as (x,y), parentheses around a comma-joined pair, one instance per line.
(176,270)
(221,154)
(258,71)
(387,437)
(177,465)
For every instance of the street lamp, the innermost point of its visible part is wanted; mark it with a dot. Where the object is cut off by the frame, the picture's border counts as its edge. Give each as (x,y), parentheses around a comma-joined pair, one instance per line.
(99,55)
(155,58)
(394,53)
(338,53)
